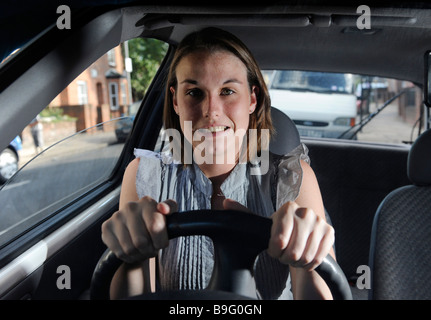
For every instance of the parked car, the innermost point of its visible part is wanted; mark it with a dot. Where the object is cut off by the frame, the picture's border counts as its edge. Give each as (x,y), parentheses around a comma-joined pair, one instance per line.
(9,159)
(321,104)
(52,209)
(124,125)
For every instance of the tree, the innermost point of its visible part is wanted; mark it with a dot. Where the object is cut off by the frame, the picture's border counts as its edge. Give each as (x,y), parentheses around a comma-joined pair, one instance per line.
(146,55)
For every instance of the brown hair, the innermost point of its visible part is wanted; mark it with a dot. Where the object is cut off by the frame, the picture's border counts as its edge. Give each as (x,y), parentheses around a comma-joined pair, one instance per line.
(213,39)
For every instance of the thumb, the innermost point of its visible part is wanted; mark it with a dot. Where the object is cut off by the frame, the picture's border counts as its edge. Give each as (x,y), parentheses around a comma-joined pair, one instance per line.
(229,204)
(167,207)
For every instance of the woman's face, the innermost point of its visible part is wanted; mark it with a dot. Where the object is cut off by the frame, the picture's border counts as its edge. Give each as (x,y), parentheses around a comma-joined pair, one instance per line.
(213,101)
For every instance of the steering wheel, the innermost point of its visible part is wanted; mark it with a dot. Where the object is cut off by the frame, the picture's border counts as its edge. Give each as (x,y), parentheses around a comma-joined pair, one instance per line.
(238,238)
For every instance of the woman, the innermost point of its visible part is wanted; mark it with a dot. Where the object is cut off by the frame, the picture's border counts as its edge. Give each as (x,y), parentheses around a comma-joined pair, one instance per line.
(215,97)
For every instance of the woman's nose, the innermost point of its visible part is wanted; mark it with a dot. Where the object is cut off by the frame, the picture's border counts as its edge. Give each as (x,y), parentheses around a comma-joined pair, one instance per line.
(212,107)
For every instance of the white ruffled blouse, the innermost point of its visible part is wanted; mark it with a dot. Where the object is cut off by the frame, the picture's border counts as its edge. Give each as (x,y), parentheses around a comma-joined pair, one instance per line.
(187,262)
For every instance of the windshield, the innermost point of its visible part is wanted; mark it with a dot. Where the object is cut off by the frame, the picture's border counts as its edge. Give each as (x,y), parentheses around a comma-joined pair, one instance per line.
(321,82)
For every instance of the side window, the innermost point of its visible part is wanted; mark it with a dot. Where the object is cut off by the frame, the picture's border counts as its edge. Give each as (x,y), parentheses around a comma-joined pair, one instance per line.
(348,106)
(81,137)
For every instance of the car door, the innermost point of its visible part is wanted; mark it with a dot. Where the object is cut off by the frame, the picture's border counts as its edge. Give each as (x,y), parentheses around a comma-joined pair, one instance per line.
(53,208)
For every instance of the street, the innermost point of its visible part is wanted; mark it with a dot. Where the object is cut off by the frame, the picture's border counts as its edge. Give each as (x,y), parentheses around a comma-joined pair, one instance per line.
(388,127)
(56,176)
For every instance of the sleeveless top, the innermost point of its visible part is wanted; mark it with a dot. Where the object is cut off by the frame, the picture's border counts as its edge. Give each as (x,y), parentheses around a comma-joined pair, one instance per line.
(187,262)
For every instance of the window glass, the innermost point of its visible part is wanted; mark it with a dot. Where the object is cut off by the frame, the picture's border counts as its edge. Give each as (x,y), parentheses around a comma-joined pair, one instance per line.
(80,138)
(60,174)
(348,106)
(113,94)
(111,57)
(82,92)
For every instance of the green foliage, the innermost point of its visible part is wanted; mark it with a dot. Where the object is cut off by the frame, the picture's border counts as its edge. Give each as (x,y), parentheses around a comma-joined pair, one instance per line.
(55,114)
(146,55)
(51,112)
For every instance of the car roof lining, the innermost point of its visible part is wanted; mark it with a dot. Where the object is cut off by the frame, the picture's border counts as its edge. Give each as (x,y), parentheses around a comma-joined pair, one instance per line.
(311,38)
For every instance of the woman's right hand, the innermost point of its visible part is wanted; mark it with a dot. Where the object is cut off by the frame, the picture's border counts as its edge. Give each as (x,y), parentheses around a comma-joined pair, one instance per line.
(138,230)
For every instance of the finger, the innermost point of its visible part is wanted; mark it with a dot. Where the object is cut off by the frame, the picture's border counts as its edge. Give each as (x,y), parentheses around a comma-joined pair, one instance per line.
(281,230)
(302,230)
(155,223)
(323,249)
(229,204)
(110,240)
(168,206)
(117,238)
(308,259)
(139,235)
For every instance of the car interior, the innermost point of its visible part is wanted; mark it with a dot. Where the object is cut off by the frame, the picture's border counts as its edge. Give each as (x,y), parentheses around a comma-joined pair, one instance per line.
(354,176)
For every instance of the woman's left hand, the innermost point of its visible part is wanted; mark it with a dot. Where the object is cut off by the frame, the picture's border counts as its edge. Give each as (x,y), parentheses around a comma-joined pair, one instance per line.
(299,237)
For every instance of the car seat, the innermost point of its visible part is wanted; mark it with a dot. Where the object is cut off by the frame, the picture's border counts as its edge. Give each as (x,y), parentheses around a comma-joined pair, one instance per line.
(400,258)
(286,136)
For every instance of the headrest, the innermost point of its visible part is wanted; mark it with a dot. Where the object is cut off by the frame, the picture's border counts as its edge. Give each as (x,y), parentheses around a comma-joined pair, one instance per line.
(419,160)
(286,137)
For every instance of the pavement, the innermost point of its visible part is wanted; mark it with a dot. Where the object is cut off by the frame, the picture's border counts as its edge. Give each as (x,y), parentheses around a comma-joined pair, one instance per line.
(389,127)
(90,140)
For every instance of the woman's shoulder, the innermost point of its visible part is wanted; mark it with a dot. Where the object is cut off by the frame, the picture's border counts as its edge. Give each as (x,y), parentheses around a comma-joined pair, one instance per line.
(146,154)
(162,158)
(290,172)
(298,153)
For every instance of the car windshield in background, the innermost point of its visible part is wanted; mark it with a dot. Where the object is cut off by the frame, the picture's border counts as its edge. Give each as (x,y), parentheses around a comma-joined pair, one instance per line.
(347,106)
(313,81)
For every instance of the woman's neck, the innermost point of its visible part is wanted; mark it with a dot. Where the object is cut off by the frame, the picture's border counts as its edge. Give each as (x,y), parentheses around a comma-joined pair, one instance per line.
(217,173)
(218,196)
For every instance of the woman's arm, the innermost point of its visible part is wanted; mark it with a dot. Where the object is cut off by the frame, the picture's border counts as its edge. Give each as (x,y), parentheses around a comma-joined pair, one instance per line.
(139,277)
(301,238)
(129,279)
(308,284)
(128,187)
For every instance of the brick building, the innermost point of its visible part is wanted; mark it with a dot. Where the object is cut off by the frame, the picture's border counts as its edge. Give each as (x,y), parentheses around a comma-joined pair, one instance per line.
(98,94)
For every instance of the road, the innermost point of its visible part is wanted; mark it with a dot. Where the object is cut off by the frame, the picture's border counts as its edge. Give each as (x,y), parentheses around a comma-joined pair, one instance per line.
(55,177)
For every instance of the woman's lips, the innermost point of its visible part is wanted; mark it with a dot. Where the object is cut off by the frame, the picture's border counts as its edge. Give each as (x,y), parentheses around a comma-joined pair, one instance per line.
(213,130)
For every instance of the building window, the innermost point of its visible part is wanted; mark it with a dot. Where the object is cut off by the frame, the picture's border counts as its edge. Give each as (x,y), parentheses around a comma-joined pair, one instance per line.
(113,95)
(82,92)
(123,94)
(94,73)
(111,57)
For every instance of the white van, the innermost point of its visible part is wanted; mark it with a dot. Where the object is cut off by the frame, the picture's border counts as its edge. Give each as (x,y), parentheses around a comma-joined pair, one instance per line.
(321,104)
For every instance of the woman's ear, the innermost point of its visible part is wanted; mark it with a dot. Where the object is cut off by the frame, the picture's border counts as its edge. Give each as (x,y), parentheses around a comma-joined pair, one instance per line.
(253,99)
(174,99)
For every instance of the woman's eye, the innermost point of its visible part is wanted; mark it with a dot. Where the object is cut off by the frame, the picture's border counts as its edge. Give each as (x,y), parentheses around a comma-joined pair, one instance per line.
(194,92)
(226,92)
